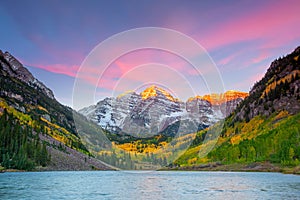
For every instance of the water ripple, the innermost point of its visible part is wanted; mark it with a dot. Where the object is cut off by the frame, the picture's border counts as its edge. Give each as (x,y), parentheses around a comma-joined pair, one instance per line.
(150,185)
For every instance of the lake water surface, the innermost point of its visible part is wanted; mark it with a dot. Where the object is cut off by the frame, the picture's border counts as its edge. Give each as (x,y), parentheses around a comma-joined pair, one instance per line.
(148,185)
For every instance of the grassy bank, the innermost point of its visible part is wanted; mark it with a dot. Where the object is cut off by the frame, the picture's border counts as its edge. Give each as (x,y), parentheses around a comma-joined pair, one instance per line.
(238,167)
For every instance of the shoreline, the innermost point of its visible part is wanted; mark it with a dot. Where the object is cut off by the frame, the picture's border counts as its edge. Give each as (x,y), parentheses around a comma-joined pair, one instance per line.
(237,167)
(211,167)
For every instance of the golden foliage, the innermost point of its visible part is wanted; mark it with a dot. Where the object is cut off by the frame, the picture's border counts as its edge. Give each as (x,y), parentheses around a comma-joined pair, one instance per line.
(192,161)
(235,139)
(24,118)
(42,108)
(272,85)
(281,115)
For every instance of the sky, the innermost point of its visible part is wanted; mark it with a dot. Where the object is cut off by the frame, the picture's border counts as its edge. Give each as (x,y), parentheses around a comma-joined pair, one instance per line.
(54,39)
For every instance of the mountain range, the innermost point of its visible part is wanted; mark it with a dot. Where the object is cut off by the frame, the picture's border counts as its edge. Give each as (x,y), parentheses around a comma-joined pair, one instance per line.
(139,131)
(154,109)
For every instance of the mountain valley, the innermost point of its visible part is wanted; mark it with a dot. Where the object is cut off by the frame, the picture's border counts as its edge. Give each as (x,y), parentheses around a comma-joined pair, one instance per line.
(151,129)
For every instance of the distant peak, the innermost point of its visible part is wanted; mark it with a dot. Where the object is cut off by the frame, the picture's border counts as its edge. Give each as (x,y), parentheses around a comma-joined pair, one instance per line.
(216,99)
(236,93)
(154,91)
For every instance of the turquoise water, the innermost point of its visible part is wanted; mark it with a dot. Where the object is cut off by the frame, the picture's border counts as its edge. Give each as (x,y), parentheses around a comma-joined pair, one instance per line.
(148,185)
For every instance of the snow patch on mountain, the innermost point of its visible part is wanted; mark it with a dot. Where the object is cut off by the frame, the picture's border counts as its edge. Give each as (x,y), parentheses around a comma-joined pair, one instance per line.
(152,111)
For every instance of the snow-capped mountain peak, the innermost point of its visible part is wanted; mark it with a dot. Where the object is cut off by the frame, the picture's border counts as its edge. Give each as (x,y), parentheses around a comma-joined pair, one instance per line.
(153,110)
(154,91)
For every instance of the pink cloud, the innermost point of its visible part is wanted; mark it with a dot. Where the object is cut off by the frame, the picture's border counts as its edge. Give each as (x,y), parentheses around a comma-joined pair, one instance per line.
(129,61)
(61,69)
(261,57)
(152,74)
(122,66)
(272,25)
(228,59)
(276,22)
(125,64)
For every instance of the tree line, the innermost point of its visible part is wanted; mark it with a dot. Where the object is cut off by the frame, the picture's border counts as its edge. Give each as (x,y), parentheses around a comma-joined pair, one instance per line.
(20,145)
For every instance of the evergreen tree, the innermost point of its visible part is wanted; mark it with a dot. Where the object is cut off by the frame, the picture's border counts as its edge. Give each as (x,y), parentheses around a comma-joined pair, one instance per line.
(19,147)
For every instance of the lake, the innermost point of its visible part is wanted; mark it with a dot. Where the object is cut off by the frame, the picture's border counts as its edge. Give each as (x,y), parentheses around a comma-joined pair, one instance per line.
(148,185)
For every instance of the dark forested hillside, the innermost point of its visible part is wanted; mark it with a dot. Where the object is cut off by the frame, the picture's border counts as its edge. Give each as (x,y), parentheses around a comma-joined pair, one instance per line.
(35,125)
(21,147)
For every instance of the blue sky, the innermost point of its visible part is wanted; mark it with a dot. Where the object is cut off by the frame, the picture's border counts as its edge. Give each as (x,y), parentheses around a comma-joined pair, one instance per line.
(54,37)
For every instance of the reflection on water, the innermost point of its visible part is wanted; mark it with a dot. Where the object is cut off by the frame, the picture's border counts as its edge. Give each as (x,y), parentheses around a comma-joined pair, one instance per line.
(148,185)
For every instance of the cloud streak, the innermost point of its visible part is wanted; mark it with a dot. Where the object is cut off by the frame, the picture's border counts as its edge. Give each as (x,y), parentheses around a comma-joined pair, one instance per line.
(240,36)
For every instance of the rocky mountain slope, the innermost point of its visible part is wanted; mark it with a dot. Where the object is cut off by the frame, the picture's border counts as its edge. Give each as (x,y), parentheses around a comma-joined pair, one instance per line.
(154,109)
(279,89)
(263,132)
(15,69)
(32,107)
